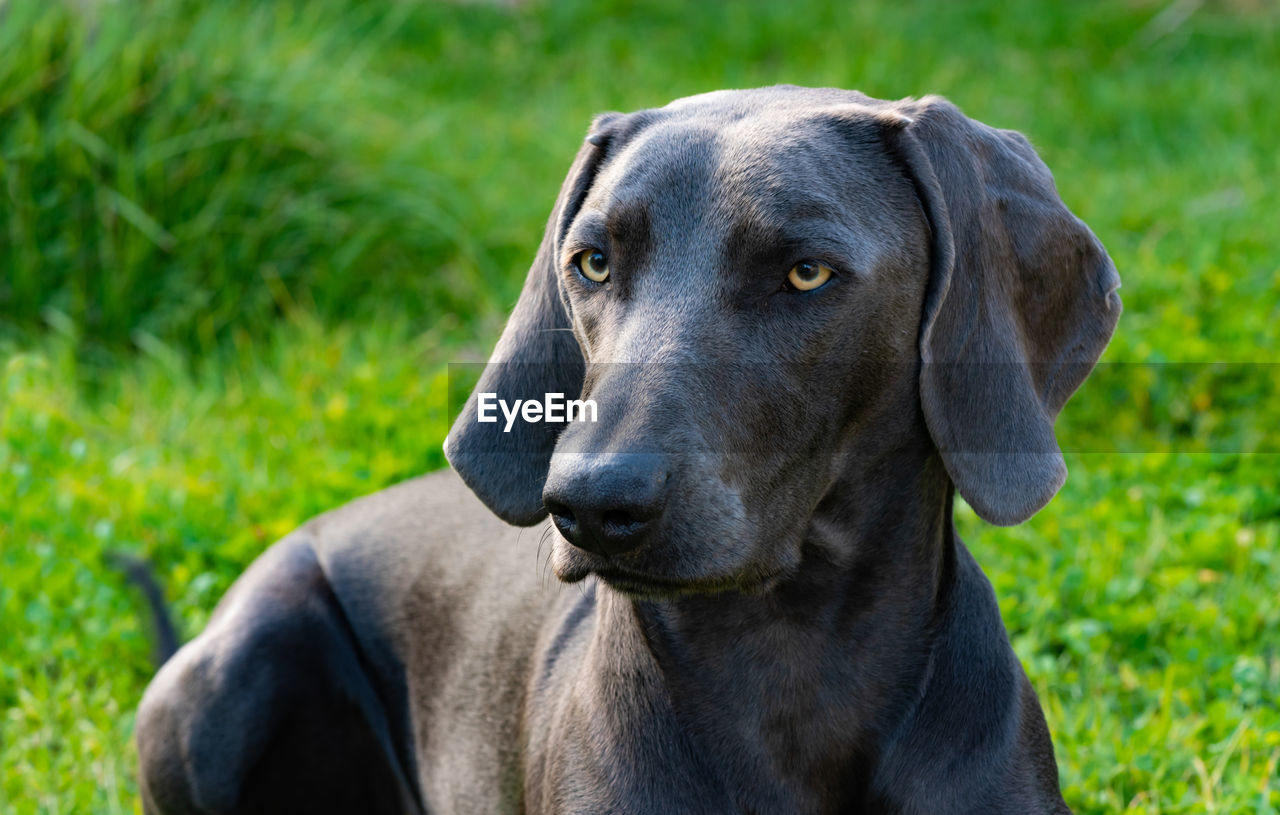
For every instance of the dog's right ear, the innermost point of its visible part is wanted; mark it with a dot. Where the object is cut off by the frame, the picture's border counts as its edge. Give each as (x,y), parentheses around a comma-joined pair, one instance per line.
(536,355)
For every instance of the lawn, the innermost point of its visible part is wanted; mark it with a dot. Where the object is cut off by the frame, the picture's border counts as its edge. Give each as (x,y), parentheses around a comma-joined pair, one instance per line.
(240,242)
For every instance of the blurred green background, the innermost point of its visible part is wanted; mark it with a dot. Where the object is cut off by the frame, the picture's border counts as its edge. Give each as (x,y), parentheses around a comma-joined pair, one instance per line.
(239,241)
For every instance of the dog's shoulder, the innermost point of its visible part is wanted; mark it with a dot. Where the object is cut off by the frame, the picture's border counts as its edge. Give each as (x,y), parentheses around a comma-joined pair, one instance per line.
(411,517)
(423,535)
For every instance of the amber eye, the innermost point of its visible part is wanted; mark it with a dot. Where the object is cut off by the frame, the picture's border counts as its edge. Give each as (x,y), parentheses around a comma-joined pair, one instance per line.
(593,265)
(808,275)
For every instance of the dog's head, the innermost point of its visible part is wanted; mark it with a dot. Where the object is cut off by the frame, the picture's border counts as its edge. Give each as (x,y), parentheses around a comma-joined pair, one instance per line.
(748,284)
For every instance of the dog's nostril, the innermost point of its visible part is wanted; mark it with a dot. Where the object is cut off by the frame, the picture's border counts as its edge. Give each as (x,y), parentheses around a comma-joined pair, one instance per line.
(620,523)
(563,519)
(559,510)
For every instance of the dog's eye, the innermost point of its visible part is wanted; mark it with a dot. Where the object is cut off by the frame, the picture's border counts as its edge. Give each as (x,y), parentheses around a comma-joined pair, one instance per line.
(808,275)
(593,265)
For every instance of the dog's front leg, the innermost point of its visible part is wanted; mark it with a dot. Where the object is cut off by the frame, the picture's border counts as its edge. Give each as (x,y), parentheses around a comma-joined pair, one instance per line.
(269,710)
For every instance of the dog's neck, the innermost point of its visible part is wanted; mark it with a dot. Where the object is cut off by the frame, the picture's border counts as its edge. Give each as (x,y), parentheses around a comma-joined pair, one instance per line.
(823,665)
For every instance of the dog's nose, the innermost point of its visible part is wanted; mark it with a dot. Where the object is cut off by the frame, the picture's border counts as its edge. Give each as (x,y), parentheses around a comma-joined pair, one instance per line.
(606,504)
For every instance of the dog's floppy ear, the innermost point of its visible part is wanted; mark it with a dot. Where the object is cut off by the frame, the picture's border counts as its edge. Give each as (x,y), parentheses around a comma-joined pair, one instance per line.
(1021,302)
(536,355)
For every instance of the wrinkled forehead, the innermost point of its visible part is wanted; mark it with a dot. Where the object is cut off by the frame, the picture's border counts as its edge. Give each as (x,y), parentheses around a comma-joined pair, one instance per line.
(754,172)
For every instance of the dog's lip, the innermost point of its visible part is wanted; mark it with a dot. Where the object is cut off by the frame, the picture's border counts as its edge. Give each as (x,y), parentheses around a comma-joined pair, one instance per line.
(632,581)
(639,583)
(645,584)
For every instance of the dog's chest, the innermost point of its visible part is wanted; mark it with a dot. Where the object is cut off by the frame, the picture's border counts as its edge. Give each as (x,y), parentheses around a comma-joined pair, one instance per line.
(602,736)
(588,766)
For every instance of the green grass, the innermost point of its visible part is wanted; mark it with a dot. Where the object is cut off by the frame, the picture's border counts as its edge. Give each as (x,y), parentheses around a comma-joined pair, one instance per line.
(239,243)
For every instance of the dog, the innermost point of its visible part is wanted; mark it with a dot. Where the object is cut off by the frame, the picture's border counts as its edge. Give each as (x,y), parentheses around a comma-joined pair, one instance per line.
(807,319)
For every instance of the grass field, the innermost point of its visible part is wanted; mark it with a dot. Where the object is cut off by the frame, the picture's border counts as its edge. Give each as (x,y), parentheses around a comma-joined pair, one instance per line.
(239,243)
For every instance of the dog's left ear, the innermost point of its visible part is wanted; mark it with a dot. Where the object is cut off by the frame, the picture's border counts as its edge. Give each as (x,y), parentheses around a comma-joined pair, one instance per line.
(1021,302)
(536,355)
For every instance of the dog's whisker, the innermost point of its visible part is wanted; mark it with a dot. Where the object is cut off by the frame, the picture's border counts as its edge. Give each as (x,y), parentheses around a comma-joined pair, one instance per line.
(543,565)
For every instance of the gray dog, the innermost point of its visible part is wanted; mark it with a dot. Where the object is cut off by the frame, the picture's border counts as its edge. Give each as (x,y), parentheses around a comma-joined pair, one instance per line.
(807,318)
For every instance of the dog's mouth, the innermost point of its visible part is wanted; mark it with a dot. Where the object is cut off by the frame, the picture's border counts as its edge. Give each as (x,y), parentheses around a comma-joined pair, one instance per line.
(643,585)
(650,586)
